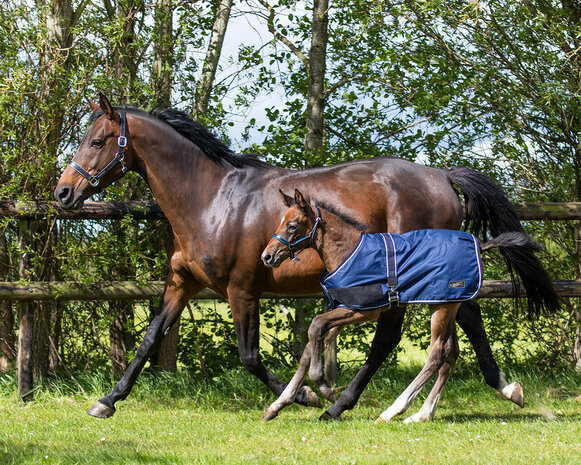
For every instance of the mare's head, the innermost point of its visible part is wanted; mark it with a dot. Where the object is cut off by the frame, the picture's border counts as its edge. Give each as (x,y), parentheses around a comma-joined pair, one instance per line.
(101,158)
(295,233)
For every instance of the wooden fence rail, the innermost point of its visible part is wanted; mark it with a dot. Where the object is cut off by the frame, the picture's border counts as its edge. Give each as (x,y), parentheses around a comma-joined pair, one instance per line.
(131,290)
(151,210)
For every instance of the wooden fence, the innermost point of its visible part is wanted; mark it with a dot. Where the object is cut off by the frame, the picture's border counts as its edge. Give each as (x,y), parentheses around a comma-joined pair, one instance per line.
(25,212)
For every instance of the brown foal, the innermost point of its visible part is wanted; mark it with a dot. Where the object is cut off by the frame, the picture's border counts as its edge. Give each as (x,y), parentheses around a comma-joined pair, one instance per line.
(333,237)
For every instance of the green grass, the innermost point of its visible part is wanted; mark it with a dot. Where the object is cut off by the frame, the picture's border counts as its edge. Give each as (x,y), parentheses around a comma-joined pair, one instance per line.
(174,419)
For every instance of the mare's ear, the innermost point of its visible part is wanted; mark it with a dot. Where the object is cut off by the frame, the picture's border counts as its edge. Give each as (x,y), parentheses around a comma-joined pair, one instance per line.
(287,199)
(301,201)
(108,108)
(93,105)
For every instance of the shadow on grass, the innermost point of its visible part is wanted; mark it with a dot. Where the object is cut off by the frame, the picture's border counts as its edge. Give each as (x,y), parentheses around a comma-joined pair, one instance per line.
(517,417)
(113,452)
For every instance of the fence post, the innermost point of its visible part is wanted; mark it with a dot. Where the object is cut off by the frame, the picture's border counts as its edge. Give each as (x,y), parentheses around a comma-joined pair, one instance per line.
(24,359)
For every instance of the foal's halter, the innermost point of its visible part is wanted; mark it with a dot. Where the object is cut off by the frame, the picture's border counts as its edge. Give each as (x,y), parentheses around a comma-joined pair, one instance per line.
(301,241)
(119,158)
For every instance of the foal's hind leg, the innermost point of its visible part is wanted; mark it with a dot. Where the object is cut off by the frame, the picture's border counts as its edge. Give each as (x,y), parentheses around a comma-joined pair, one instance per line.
(442,329)
(429,407)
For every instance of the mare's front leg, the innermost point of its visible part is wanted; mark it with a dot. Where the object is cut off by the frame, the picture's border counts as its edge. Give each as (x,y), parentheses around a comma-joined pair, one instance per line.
(469,318)
(244,306)
(387,337)
(178,290)
(442,331)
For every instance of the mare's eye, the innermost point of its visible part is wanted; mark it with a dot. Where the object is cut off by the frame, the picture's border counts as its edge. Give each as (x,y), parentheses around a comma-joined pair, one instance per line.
(96,143)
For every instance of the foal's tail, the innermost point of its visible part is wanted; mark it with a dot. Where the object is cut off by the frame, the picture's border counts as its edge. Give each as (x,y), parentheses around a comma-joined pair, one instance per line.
(488,208)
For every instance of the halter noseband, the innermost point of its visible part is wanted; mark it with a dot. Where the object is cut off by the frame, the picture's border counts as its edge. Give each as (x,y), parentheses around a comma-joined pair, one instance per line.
(293,245)
(119,157)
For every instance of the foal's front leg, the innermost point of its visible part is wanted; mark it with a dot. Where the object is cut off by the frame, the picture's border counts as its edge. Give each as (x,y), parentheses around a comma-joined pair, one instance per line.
(318,330)
(440,350)
(291,390)
(323,331)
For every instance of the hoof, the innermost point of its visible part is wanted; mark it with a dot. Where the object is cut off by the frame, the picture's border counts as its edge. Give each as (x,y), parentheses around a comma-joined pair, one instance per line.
(312,398)
(329,393)
(268,415)
(328,417)
(417,418)
(98,410)
(514,393)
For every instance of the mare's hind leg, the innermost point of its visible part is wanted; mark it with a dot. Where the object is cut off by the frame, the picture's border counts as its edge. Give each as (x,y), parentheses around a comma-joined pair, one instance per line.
(469,318)
(178,290)
(442,330)
(429,407)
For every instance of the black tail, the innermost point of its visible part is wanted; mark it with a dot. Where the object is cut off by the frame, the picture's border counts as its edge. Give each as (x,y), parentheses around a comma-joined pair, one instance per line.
(512,239)
(488,208)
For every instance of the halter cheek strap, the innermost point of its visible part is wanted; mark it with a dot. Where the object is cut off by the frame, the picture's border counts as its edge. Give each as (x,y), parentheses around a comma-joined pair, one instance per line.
(309,237)
(119,157)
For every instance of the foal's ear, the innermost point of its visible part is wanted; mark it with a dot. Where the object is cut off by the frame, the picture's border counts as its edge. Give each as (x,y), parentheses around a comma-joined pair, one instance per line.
(287,199)
(301,201)
(108,108)
(93,105)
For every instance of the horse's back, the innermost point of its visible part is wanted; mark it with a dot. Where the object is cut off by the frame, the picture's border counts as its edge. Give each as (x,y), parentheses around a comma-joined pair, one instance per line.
(391,194)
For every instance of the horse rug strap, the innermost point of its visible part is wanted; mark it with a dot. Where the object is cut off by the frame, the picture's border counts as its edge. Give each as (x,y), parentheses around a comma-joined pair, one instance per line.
(419,267)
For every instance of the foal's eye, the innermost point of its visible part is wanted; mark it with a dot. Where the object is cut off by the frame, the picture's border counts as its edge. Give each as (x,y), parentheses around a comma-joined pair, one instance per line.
(96,143)
(292,227)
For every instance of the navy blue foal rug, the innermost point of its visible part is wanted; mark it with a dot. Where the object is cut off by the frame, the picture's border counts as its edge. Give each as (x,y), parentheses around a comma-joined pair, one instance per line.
(419,267)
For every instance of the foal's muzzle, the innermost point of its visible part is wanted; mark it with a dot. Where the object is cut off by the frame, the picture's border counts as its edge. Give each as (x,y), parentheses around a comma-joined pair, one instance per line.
(272,258)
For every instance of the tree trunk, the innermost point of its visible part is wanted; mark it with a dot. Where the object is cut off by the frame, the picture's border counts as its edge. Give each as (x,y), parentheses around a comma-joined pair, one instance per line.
(206,82)
(54,62)
(315,137)
(26,319)
(163,53)
(120,336)
(7,334)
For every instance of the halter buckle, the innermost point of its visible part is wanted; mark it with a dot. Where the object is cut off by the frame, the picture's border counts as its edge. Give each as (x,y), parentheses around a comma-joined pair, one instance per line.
(122,141)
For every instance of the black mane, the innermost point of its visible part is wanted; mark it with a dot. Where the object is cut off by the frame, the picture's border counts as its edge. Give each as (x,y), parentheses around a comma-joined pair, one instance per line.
(213,148)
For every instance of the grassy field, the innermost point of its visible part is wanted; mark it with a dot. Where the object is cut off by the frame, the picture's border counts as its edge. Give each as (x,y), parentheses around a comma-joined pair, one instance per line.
(174,419)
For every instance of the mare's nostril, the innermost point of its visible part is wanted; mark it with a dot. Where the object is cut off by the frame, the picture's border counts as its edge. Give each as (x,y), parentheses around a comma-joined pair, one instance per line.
(63,194)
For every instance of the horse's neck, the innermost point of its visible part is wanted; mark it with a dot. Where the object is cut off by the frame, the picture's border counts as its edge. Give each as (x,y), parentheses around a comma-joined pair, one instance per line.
(335,240)
(170,164)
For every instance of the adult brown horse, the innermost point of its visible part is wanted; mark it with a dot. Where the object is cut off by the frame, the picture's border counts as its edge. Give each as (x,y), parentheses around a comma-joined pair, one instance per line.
(216,202)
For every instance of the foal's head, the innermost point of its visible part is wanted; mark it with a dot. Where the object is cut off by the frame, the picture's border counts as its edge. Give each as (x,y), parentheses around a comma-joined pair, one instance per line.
(295,233)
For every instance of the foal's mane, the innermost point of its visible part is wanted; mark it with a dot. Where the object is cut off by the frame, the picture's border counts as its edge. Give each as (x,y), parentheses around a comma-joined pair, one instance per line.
(360,226)
(209,144)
